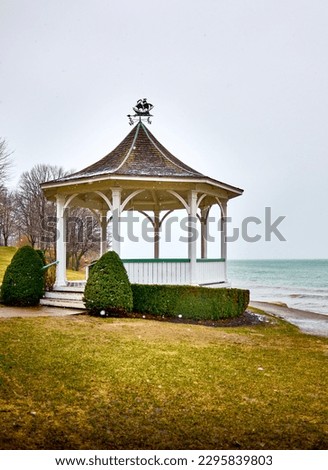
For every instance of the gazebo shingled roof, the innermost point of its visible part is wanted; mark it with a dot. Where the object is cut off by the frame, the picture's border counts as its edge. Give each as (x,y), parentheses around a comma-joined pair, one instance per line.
(139,154)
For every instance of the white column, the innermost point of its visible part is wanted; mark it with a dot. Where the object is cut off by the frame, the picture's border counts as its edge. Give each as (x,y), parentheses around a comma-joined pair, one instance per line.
(224,236)
(192,243)
(61,242)
(103,232)
(116,214)
(204,231)
(156,233)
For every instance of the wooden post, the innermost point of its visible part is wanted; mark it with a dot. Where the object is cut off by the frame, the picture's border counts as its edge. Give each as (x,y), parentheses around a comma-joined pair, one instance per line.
(103,232)
(156,224)
(61,242)
(192,243)
(116,213)
(224,235)
(204,231)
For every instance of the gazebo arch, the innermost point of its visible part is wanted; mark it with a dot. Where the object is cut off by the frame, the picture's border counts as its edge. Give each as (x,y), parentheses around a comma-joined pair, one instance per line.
(140,174)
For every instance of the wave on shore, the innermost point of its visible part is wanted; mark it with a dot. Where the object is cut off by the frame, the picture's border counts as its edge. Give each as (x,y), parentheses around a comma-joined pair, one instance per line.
(301,284)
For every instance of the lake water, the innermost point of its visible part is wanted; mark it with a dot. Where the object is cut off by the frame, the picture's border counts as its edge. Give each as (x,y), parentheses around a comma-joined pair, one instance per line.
(300,284)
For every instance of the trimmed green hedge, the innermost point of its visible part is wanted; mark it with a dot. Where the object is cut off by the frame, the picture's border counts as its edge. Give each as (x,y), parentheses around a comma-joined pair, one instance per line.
(192,302)
(108,287)
(23,282)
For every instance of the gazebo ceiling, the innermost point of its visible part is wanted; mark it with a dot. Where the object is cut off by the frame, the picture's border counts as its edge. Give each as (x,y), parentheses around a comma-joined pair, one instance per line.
(147,199)
(139,162)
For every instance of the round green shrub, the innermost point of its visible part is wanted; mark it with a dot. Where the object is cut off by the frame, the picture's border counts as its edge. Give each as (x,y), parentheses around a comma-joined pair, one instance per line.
(23,282)
(108,290)
(42,256)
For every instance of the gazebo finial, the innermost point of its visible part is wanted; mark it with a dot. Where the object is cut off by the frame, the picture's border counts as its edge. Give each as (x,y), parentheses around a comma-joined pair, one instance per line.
(142,110)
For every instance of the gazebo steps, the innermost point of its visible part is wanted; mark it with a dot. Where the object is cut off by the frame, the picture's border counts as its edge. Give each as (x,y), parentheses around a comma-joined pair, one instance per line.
(77,286)
(62,303)
(64,298)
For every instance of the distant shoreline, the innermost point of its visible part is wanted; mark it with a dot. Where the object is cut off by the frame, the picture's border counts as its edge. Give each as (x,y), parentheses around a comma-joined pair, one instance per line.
(308,322)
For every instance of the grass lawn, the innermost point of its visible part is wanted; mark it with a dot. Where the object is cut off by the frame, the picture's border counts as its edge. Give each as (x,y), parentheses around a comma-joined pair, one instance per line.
(7,252)
(75,275)
(90,383)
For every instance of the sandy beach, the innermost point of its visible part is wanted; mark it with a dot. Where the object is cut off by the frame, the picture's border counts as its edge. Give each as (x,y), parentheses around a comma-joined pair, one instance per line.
(308,322)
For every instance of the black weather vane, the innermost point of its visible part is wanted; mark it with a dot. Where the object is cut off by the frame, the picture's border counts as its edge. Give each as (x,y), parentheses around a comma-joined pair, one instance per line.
(142,110)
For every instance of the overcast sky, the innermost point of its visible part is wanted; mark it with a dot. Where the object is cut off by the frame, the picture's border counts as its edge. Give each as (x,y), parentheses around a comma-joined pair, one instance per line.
(240,89)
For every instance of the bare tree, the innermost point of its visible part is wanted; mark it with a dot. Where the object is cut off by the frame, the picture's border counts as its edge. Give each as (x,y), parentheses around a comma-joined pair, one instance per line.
(32,206)
(7,216)
(5,162)
(37,217)
(83,235)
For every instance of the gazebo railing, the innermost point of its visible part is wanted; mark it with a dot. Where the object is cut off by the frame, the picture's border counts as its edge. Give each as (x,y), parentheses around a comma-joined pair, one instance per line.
(158,271)
(211,271)
(175,271)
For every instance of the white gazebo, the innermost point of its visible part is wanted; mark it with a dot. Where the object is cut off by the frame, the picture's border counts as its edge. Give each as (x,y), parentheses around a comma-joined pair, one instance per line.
(140,174)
